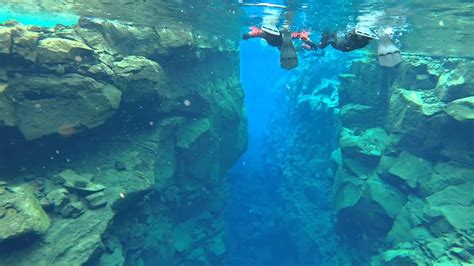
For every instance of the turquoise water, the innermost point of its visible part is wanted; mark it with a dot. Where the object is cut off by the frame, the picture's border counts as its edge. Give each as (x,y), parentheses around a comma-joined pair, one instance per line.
(43,19)
(153,133)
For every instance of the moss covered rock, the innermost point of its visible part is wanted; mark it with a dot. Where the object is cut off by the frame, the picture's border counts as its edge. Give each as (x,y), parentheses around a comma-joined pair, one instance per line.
(44,105)
(410,169)
(60,50)
(140,79)
(462,109)
(21,214)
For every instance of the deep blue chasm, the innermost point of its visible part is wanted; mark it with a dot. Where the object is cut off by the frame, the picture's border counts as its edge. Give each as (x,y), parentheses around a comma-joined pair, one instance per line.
(253,237)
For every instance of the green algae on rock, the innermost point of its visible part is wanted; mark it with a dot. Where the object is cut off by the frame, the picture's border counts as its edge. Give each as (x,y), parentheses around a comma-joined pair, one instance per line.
(425,166)
(111,101)
(21,214)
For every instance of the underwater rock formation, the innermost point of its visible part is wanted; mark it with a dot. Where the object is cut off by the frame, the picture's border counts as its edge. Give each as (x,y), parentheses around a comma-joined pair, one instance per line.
(75,101)
(405,188)
(302,136)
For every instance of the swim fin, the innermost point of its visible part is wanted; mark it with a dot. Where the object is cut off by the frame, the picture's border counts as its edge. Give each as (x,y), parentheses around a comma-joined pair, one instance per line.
(388,54)
(288,56)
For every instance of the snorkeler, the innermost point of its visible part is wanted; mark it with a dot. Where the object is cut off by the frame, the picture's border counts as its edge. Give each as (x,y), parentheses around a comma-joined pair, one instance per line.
(283,40)
(274,37)
(387,52)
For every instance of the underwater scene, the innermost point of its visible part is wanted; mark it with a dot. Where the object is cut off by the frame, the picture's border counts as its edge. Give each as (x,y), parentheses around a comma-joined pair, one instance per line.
(236,132)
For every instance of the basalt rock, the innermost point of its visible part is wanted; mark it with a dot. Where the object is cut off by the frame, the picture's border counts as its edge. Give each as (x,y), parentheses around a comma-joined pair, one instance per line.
(112,93)
(44,105)
(462,109)
(419,186)
(21,214)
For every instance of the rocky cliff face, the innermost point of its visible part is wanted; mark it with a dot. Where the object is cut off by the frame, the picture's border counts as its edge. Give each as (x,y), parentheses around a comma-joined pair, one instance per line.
(115,139)
(301,140)
(404,189)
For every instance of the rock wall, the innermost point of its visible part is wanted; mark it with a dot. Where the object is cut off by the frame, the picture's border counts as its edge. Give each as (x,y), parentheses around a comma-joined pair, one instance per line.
(115,140)
(301,139)
(404,190)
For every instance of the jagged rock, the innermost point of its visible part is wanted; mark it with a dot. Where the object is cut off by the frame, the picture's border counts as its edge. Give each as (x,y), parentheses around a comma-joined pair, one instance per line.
(58,198)
(445,174)
(217,246)
(369,143)
(79,183)
(425,193)
(410,112)
(361,116)
(60,50)
(408,223)
(400,258)
(191,131)
(410,169)
(461,253)
(5,40)
(348,193)
(140,79)
(387,196)
(456,84)
(454,218)
(462,109)
(82,242)
(7,117)
(355,90)
(45,105)
(22,214)
(417,75)
(96,200)
(151,155)
(460,195)
(72,210)
(181,237)
(120,166)
(24,43)
(459,151)
(114,252)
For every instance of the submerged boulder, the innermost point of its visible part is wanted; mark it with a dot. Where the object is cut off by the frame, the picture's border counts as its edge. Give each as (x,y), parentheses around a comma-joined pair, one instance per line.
(140,79)
(25,43)
(410,112)
(410,170)
(60,50)
(21,214)
(462,109)
(44,105)
(190,132)
(78,183)
(369,143)
(358,115)
(5,40)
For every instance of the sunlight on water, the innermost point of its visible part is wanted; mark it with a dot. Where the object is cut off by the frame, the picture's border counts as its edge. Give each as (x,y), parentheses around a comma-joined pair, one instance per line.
(44,19)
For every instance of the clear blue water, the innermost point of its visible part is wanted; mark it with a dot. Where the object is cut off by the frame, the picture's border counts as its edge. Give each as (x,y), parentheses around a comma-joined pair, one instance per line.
(256,233)
(44,19)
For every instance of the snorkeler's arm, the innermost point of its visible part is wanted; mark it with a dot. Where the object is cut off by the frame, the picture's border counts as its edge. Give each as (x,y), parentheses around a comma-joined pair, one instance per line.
(253,33)
(304,36)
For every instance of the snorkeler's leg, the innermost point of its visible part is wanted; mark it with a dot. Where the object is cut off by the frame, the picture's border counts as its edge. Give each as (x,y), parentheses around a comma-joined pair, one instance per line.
(254,32)
(327,38)
(388,54)
(288,56)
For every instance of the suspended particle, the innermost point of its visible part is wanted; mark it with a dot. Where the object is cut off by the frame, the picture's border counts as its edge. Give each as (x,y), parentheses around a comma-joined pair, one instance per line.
(122,195)
(78,58)
(67,130)
(187,102)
